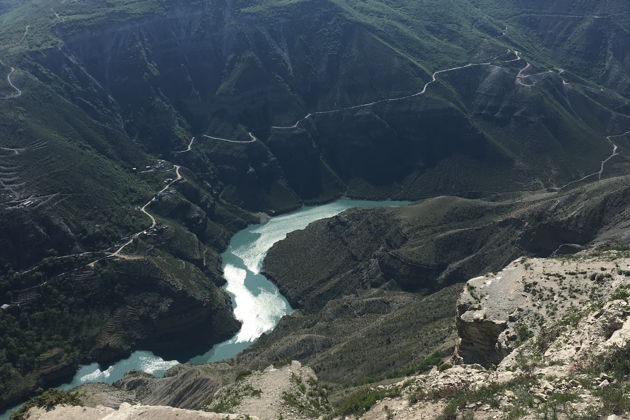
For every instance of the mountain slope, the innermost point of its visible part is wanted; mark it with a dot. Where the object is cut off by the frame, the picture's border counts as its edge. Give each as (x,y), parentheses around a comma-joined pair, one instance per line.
(265,106)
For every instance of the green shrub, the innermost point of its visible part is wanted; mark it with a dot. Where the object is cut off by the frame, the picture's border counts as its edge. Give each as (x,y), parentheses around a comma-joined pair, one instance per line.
(557,404)
(622,293)
(523,333)
(617,363)
(459,397)
(445,366)
(449,412)
(426,364)
(433,360)
(243,374)
(48,400)
(362,400)
(514,413)
(615,399)
(281,363)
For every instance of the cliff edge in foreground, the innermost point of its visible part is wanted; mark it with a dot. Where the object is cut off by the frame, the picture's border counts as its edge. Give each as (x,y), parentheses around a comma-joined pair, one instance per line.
(542,338)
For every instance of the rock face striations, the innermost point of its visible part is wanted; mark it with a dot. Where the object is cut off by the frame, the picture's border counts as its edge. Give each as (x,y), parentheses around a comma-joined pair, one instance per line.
(344,243)
(440,241)
(128,412)
(282,390)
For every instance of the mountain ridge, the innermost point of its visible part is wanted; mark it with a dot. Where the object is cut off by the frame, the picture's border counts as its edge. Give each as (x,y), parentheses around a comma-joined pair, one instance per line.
(102,98)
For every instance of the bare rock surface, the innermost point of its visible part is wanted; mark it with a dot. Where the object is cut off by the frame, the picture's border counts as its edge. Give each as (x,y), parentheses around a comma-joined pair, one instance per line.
(290,391)
(563,337)
(126,412)
(498,311)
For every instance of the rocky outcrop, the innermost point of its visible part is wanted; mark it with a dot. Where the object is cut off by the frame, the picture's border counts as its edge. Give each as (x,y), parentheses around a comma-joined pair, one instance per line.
(281,390)
(571,360)
(127,412)
(285,390)
(479,338)
(499,311)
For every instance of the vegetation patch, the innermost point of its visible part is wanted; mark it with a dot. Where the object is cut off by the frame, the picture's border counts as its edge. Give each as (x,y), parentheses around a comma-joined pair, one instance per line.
(459,397)
(362,400)
(621,293)
(434,359)
(48,400)
(615,399)
(227,401)
(307,398)
(243,374)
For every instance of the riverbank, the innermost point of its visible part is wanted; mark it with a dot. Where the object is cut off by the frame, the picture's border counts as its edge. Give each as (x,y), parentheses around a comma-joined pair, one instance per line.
(256,301)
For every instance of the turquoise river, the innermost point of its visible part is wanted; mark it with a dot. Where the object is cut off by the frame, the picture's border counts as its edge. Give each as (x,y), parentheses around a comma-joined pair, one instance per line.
(257,303)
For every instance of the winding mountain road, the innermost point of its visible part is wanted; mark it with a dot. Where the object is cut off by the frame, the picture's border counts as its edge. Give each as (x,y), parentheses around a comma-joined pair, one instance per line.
(26,29)
(615,151)
(143,209)
(395,99)
(62,19)
(15,151)
(599,174)
(18,91)
(187,149)
(118,252)
(605,161)
(521,76)
(252,139)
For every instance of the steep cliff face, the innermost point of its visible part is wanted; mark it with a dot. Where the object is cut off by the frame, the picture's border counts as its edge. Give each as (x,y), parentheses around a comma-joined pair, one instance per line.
(498,312)
(560,330)
(342,242)
(482,118)
(441,241)
(162,72)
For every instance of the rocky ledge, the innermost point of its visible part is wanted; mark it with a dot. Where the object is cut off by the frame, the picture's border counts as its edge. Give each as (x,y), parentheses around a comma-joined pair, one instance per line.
(498,311)
(558,333)
(128,412)
(283,390)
